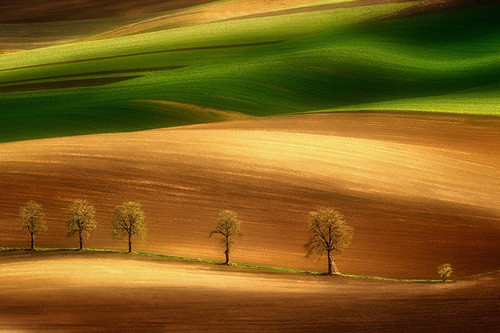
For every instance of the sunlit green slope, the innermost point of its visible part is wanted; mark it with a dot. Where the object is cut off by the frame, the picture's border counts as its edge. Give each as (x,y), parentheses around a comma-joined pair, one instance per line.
(347,58)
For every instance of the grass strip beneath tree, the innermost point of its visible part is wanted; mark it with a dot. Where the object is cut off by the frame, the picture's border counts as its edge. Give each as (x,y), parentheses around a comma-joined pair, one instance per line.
(216,262)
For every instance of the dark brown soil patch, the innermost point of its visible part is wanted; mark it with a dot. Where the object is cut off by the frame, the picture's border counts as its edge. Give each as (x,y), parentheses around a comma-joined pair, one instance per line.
(64,84)
(26,11)
(439,6)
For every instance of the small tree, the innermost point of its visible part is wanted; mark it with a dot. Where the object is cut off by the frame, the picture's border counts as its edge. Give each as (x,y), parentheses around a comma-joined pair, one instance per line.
(32,219)
(228,226)
(445,271)
(328,233)
(81,220)
(128,220)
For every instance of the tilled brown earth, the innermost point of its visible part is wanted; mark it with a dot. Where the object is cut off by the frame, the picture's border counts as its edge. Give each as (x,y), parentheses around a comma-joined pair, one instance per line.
(25,11)
(439,6)
(94,292)
(419,189)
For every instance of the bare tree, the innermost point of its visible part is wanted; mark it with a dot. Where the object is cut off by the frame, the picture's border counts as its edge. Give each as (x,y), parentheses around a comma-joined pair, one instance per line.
(32,219)
(445,271)
(328,233)
(228,226)
(129,219)
(81,220)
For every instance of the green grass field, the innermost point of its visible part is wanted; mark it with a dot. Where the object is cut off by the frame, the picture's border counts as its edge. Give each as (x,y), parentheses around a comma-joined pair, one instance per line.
(339,59)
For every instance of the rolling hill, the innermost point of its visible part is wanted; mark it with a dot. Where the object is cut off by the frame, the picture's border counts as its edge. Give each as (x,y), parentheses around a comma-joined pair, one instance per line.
(387,110)
(423,184)
(124,293)
(337,58)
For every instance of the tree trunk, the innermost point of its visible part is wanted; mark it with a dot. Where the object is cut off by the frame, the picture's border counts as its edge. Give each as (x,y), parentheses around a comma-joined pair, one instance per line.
(32,242)
(329,263)
(334,266)
(129,243)
(81,243)
(227,253)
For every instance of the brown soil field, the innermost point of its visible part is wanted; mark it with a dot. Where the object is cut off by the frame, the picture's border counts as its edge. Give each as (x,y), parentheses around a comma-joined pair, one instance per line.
(419,189)
(438,6)
(27,36)
(25,11)
(74,292)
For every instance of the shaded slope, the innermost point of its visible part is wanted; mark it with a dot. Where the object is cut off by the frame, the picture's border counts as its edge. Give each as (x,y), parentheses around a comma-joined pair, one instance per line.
(437,6)
(423,190)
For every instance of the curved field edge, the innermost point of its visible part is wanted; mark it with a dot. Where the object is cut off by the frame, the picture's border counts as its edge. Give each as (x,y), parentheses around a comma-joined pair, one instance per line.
(330,62)
(215,262)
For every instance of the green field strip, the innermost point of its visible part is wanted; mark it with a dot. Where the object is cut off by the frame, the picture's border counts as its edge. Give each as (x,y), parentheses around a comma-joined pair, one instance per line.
(247,31)
(109,72)
(66,84)
(210,47)
(331,61)
(216,262)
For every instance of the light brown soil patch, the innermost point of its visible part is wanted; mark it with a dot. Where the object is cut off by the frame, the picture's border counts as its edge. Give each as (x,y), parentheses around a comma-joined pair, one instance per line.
(86,292)
(416,188)
(64,84)
(316,8)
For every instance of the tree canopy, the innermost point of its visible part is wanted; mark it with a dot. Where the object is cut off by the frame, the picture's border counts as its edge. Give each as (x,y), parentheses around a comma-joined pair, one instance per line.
(32,219)
(445,271)
(328,233)
(81,220)
(128,220)
(228,226)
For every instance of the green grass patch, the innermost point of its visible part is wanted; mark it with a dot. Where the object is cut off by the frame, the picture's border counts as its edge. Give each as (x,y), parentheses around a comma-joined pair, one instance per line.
(274,269)
(215,262)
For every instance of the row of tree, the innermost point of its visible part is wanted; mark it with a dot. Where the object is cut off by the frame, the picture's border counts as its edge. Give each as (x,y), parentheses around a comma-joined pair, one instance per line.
(328,232)
(128,220)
